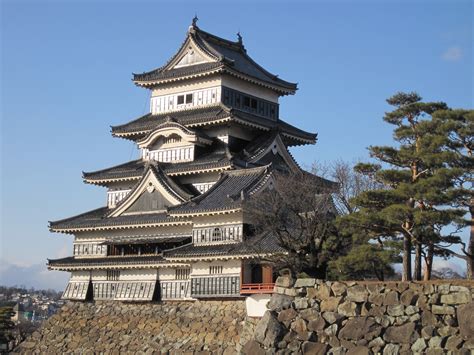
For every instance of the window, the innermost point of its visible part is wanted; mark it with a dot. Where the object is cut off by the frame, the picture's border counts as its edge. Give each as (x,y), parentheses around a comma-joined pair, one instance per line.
(246,101)
(216,234)
(113,275)
(253,104)
(180,99)
(213,270)
(189,98)
(181,274)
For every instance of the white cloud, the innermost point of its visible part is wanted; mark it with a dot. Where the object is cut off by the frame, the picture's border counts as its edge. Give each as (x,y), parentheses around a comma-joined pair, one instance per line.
(452,54)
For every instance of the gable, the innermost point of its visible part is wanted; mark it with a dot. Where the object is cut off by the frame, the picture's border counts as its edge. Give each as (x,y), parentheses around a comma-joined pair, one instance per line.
(277,154)
(153,201)
(189,54)
(190,57)
(154,193)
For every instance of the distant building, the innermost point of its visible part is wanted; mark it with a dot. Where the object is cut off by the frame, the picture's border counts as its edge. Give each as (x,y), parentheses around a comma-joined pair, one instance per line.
(174,226)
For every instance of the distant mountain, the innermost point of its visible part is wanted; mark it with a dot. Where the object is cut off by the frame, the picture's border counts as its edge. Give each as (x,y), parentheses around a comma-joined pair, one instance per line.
(36,275)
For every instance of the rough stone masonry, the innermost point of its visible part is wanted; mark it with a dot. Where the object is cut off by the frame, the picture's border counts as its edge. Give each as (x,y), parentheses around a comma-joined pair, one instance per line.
(316,317)
(305,317)
(205,327)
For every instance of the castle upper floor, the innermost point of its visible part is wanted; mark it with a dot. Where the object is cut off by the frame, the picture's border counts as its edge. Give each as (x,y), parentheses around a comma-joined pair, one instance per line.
(209,70)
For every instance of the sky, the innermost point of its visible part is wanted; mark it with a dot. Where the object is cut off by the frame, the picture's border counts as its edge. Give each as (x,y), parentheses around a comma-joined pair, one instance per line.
(66,69)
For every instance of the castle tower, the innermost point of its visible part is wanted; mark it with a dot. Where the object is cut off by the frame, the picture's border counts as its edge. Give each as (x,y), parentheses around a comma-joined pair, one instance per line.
(173,225)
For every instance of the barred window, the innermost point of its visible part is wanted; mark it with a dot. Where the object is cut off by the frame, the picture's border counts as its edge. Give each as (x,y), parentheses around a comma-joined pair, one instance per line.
(181,274)
(113,275)
(216,234)
(213,270)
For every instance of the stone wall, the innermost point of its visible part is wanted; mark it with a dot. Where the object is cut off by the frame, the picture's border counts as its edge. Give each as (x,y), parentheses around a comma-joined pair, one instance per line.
(213,327)
(316,317)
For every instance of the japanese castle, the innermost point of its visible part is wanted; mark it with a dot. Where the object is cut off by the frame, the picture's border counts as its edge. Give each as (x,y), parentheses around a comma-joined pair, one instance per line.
(174,226)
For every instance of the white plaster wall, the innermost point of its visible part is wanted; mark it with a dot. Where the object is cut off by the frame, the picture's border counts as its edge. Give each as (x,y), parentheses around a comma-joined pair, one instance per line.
(138,274)
(80,275)
(229,267)
(252,89)
(99,275)
(256,305)
(166,274)
(216,220)
(189,85)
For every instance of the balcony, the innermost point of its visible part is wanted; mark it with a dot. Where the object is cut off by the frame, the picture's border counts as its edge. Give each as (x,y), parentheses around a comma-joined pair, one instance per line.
(256,288)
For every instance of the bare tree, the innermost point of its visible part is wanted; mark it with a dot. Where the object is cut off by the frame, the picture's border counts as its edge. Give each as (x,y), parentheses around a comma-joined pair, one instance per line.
(298,212)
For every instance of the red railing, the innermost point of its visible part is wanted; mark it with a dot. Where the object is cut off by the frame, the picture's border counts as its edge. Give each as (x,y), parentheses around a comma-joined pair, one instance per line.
(247,289)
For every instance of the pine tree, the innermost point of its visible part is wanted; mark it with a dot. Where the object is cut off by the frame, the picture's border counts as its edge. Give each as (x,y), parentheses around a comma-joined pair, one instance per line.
(456,127)
(414,206)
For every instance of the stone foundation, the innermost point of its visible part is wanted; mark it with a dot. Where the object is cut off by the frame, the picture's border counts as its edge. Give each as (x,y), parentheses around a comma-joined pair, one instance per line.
(216,327)
(316,317)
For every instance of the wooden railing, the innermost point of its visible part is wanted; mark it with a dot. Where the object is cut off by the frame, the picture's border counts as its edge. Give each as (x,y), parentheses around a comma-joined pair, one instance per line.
(247,289)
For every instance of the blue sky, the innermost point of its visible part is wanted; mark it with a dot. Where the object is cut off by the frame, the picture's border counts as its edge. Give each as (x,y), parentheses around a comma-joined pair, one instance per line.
(66,77)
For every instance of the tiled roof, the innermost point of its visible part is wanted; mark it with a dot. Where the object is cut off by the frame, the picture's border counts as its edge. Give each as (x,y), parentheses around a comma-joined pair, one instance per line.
(98,218)
(226,193)
(253,246)
(213,157)
(229,57)
(209,114)
(104,261)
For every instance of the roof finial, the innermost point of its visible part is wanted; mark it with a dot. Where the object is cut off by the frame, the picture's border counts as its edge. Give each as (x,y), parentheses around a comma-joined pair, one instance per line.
(239,37)
(195,20)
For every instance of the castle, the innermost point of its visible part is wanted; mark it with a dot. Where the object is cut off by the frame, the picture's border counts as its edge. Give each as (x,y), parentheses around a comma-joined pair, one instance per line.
(174,226)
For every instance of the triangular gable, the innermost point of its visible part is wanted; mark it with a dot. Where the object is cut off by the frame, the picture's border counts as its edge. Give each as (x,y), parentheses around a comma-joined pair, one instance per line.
(190,53)
(153,194)
(169,128)
(277,147)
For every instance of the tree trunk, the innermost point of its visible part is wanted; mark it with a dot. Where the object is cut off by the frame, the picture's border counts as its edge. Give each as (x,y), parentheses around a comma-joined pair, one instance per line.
(470,247)
(428,263)
(406,272)
(418,261)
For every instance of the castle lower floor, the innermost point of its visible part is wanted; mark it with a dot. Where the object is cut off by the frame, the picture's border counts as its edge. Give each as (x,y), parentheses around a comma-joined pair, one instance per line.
(196,280)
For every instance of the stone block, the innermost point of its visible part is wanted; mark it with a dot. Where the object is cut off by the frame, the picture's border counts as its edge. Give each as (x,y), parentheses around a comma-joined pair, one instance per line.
(330,304)
(391,349)
(316,325)
(454,343)
(332,317)
(402,334)
(465,315)
(419,345)
(309,314)
(269,331)
(338,288)
(358,350)
(435,342)
(357,293)
(348,309)
(359,328)
(408,297)
(286,316)
(390,298)
(456,298)
(279,302)
(313,348)
(300,302)
(436,309)
(395,310)
(321,292)
(284,281)
(305,282)
(376,299)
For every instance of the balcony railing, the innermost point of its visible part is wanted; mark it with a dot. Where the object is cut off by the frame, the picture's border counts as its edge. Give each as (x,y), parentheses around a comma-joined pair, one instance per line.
(257,288)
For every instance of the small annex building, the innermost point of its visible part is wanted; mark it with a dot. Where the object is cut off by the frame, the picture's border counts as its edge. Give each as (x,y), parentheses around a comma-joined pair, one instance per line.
(174,227)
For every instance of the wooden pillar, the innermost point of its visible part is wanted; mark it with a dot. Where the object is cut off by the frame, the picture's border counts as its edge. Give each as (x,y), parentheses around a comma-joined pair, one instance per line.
(267,274)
